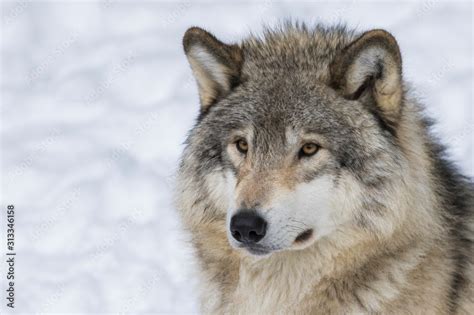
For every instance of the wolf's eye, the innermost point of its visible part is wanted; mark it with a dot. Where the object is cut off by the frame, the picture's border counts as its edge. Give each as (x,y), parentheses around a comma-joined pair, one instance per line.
(308,149)
(242,146)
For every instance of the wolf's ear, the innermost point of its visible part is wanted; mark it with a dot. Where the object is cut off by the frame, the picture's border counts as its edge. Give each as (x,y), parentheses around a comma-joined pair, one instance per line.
(372,63)
(216,66)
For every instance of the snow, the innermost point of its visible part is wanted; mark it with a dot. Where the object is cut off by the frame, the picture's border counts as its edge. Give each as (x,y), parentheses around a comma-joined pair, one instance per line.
(96,100)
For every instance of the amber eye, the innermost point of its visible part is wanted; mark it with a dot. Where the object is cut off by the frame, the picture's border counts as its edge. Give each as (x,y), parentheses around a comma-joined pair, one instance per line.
(242,146)
(308,149)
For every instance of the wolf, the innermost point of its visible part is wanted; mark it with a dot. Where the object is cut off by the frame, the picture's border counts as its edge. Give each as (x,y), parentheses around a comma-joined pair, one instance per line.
(311,183)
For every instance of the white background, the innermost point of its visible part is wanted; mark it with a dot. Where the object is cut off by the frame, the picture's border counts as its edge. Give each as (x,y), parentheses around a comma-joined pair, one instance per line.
(96,100)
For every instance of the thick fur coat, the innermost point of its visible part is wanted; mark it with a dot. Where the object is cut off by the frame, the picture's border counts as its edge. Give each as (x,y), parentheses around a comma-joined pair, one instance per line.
(315,132)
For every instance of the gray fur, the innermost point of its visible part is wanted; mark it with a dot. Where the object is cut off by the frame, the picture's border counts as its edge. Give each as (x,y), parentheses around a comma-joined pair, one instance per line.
(286,79)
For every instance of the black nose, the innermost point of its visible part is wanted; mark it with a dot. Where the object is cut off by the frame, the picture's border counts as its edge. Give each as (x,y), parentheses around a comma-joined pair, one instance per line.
(248,227)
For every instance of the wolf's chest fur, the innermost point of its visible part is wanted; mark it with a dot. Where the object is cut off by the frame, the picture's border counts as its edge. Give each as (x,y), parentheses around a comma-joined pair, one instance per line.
(277,289)
(297,285)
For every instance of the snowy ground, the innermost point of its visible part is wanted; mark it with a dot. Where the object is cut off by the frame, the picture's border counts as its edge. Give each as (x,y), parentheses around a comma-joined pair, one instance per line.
(96,99)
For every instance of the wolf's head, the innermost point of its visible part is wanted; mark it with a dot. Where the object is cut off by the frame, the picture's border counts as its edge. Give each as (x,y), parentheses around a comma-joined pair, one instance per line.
(297,138)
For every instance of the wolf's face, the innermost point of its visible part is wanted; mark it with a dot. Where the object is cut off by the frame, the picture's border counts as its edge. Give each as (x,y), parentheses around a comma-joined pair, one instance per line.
(286,157)
(281,168)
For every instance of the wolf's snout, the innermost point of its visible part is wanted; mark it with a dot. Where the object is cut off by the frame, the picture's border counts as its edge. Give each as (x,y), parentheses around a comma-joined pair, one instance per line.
(248,227)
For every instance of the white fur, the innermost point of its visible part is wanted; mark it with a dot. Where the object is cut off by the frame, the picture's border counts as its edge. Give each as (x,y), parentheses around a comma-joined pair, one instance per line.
(308,206)
(221,189)
(209,63)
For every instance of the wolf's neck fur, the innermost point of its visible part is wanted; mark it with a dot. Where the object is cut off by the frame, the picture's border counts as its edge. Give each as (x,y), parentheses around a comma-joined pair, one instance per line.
(324,280)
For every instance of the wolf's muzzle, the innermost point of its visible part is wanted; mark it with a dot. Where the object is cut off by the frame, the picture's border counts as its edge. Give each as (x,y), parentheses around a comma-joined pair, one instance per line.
(248,227)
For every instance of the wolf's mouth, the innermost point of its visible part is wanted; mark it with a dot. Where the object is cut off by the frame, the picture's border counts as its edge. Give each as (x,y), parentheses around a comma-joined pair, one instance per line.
(303,237)
(255,249)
